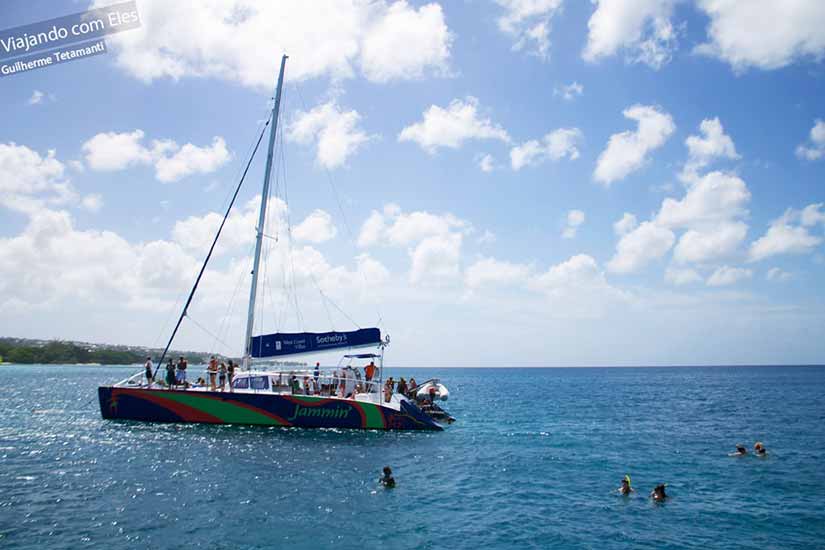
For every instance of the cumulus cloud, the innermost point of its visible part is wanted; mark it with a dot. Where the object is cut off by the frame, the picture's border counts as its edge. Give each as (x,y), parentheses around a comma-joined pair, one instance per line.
(335,133)
(318,227)
(112,151)
(680,277)
(785,236)
(29,180)
(451,127)
(487,163)
(713,198)
(712,144)
(240,40)
(436,260)
(528,22)
(574,219)
(642,28)
(815,148)
(718,241)
(625,225)
(763,34)
(92,202)
(556,145)
(492,272)
(727,275)
(627,151)
(569,92)
(639,247)
(36,98)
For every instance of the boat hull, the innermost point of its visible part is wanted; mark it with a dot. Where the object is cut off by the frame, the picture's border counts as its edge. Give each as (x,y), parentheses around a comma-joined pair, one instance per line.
(267,409)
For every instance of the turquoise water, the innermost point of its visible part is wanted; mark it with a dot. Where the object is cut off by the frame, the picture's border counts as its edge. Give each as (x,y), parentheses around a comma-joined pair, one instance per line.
(531,463)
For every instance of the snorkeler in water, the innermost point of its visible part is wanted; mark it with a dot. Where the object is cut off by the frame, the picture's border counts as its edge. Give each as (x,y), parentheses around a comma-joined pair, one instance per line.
(625,488)
(388,481)
(759,449)
(658,494)
(740,450)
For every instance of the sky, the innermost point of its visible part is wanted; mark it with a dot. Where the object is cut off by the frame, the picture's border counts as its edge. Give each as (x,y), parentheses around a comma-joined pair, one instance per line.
(492,183)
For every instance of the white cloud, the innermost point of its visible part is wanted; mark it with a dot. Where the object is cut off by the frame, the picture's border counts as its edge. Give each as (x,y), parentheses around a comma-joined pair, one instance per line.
(318,227)
(92,203)
(627,151)
(577,287)
(640,27)
(528,22)
(680,277)
(625,225)
(718,241)
(493,272)
(404,43)
(335,132)
(713,198)
(574,219)
(112,151)
(241,40)
(487,163)
(813,214)
(452,126)
(555,146)
(36,98)
(783,237)
(488,237)
(436,260)
(815,149)
(569,92)
(191,159)
(777,274)
(640,246)
(712,144)
(764,34)
(29,181)
(726,275)
(396,228)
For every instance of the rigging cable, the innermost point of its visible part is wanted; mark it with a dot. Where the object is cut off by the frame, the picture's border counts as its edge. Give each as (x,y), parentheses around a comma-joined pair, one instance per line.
(211,249)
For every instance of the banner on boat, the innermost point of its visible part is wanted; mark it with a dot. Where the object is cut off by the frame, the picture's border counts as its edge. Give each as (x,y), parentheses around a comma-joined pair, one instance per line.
(285,343)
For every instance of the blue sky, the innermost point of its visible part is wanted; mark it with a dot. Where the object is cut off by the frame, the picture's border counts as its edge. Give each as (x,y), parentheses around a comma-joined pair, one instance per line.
(710,107)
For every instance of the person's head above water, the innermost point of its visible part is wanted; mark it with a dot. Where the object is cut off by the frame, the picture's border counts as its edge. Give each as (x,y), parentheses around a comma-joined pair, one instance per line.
(759,448)
(659,492)
(387,471)
(741,449)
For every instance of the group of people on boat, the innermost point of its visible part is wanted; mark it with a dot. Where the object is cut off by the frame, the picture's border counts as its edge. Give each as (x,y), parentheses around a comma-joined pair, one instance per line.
(219,374)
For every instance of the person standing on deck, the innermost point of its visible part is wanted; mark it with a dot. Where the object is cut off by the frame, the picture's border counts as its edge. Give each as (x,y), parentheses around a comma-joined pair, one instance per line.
(148,367)
(402,386)
(412,388)
(213,371)
(170,374)
(388,389)
(222,376)
(230,370)
(316,373)
(369,372)
(182,371)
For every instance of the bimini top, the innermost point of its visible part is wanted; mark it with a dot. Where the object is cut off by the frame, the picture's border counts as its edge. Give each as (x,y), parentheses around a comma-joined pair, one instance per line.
(294,343)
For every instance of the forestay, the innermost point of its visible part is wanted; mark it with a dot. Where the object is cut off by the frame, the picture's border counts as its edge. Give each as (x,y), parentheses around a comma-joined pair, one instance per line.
(292,343)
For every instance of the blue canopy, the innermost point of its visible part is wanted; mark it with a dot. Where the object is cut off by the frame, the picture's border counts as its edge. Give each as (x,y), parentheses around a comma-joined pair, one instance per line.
(293,343)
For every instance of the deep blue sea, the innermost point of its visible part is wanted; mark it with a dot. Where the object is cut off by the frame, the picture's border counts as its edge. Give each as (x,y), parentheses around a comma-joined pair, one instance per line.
(533,462)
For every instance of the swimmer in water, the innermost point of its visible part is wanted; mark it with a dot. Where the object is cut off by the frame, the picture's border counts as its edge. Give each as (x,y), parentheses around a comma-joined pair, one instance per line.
(740,450)
(625,488)
(760,449)
(388,481)
(658,493)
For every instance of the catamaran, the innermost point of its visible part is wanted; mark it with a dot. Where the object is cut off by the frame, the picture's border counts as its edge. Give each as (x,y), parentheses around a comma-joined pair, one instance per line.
(268,394)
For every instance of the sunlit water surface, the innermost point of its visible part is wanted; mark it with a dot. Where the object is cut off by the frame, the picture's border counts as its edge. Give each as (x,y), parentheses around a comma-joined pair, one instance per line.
(532,462)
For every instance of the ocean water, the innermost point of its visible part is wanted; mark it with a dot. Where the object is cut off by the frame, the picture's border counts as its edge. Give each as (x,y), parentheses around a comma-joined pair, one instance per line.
(532,462)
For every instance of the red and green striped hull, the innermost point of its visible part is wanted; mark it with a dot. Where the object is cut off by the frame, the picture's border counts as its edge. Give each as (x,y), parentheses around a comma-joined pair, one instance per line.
(266,409)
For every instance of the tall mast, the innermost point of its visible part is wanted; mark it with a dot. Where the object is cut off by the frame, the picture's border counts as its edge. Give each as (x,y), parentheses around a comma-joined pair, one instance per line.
(262,217)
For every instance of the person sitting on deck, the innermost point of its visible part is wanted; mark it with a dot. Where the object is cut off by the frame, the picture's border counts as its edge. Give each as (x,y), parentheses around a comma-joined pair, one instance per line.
(358,386)
(387,480)
(658,494)
(307,386)
(760,449)
(740,450)
(402,386)
(222,376)
(369,372)
(170,374)
(625,488)
(149,376)
(212,369)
